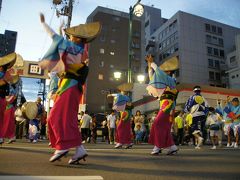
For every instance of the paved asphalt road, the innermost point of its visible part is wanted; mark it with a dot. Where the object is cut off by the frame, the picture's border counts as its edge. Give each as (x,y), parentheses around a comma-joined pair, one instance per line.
(22,158)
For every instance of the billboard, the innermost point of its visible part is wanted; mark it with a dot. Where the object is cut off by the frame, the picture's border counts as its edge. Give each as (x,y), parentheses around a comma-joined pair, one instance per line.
(29,69)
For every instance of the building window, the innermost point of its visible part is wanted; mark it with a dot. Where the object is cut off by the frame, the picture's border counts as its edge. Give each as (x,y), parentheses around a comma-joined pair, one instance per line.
(174,24)
(101,51)
(112,41)
(168,41)
(136,45)
(215,51)
(218,77)
(210,63)
(115,18)
(172,50)
(220,41)
(136,34)
(209,50)
(146,23)
(172,39)
(160,36)
(214,29)
(170,27)
(164,44)
(112,53)
(160,57)
(220,30)
(222,53)
(111,66)
(101,64)
(211,75)
(208,38)
(176,47)
(100,76)
(102,38)
(207,27)
(217,64)
(232,59)
(160,46)
(214,40)
(175,35)
(177,73)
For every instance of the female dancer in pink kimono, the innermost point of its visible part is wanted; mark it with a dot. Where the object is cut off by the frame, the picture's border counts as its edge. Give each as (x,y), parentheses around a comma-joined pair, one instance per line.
(67,58)
(163,86)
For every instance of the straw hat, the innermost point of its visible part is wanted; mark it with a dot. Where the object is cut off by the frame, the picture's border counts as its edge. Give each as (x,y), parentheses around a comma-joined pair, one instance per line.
(39,99)
(8,60)
(87,31)
(125,87)
(171,64)
(29,110)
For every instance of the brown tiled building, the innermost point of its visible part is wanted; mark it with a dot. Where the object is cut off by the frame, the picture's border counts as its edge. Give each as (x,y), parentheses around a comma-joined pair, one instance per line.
(108,54)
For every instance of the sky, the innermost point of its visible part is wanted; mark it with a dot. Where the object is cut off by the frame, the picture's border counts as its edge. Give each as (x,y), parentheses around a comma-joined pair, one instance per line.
(32,41)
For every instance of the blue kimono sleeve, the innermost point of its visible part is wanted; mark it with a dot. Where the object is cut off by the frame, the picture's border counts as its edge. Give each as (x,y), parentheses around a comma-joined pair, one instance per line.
(53,53)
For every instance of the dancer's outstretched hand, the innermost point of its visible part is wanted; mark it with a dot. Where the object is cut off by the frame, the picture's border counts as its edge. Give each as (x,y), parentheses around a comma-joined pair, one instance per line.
(149,58)
(42,18)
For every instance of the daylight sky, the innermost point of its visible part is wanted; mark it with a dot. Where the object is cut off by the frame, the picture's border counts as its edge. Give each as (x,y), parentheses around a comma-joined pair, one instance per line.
(23,16)
(32,41)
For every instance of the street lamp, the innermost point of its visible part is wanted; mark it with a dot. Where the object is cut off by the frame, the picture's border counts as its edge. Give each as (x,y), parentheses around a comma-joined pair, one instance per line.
(117,75)
(141,78)
(138,11)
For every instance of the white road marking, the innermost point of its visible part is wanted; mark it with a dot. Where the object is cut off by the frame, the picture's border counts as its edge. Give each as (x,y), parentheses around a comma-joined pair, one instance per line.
(51,177)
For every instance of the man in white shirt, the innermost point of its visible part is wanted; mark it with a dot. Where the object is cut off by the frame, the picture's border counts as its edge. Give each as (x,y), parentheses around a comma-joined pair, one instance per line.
(111,122)
(85,126)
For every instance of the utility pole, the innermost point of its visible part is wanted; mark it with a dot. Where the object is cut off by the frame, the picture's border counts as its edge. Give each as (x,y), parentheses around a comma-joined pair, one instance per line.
(70,9)
(64,8)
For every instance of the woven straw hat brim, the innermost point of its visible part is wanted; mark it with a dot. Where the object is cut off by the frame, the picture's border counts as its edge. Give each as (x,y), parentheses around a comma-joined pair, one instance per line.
(125,87)
(87,31)
(171,64)
(8,60)
(29,110)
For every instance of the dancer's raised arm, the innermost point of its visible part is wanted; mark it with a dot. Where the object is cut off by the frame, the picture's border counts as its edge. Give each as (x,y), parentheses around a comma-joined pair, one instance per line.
(46,27)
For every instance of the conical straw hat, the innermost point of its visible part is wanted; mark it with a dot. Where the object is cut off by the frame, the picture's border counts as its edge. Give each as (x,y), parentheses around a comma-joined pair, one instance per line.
(29,110)
(87,31)
(8,60)
(171,64)
(125,87)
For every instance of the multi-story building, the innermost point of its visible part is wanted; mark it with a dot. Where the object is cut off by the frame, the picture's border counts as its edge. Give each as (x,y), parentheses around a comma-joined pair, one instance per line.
(7,42)
(233,64)
(151,21)
(200,44)
(109,53)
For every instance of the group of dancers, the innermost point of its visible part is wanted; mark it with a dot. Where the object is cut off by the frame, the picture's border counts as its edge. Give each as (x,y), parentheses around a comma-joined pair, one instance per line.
(68,58)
